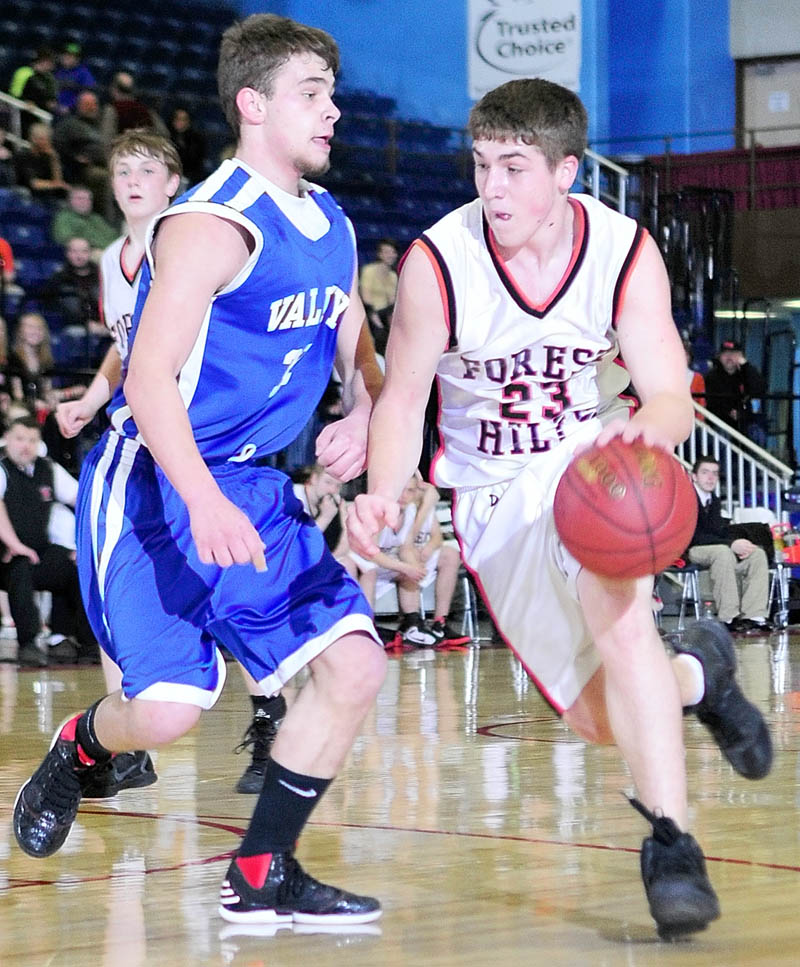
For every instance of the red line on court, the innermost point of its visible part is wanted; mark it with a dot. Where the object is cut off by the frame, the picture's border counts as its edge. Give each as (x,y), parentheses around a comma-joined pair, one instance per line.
(495,730)
(226,823)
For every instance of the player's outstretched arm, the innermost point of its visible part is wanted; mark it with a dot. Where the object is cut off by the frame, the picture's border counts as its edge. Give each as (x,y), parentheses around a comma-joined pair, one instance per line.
(654,355)
(196,255)
(73,416)
(417,339)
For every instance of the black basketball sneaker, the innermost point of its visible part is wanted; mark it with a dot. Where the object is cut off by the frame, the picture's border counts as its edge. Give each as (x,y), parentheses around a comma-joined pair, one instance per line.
(681,898)
(737,725)
(47,804)
(274,888)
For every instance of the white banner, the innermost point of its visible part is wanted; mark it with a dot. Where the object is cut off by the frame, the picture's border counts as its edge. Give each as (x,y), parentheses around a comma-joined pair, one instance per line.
(523,38)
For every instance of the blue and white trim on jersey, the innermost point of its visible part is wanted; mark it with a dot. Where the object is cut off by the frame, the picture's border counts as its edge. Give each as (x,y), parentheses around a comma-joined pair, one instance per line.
(269,336)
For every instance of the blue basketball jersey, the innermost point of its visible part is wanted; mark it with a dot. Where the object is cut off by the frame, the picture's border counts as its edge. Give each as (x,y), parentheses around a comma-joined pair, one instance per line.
(265,351)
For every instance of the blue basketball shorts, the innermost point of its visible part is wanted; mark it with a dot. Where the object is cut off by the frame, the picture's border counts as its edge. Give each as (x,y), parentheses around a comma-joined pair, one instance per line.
(159,612)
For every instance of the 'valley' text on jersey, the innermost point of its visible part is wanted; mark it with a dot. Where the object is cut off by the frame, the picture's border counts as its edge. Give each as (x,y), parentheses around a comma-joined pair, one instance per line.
(265,350)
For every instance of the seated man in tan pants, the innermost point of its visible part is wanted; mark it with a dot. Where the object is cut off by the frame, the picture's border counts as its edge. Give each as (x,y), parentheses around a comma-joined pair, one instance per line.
(738,568)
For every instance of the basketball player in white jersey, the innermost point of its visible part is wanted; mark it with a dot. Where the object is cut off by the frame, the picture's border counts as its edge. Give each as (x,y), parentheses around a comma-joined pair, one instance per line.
(145,174)
(520,303)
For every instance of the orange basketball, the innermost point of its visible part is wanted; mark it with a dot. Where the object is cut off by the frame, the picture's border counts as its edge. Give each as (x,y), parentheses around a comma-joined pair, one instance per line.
(625,510)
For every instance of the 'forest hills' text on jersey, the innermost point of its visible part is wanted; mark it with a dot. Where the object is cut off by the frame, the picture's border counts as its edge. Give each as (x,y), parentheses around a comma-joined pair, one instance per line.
(518,378)
(265,351)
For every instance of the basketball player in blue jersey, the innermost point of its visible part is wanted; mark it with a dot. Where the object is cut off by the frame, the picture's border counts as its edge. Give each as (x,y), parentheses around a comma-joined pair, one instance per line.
(520,303)
(145,173)
(248,297)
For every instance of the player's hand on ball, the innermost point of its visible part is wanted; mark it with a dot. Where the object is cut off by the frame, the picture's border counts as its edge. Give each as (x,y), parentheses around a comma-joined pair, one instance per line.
(650,434)
(625,510)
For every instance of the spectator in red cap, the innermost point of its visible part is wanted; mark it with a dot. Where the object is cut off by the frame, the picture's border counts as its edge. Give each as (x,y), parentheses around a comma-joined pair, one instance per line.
(735,391)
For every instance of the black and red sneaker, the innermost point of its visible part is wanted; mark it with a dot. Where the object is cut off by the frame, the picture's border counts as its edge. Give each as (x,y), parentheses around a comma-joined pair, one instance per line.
(446,636)
(47,803)
(274,888)
(127,770)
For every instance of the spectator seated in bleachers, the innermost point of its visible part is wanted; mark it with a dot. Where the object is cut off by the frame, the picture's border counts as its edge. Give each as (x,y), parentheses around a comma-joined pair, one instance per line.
(30,377)
(72,76)
(79,220)
(8,273)
(79,142)
(738,568)
(412,557)
(73,292)
(126,110)
(695,378)
(378,287)
(34,82)
(735,391)
(29,486)
(8,170)
(320,495)
(5,393)
(38,167)
(190,143)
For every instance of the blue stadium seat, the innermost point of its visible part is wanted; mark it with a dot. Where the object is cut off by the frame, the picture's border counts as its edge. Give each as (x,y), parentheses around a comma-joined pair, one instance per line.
(138,47)
(54,14)
(101,67)
(199,57)
(27,239)
(101,44)
(82,17)
(165,51)
(20,9)
(156,77)
(32,272)
(12,32)
(191,80)
(365,102)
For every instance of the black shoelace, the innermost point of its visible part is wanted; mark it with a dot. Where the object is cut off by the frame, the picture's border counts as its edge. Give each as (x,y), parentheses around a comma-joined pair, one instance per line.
(295,880)
(62,786)
(665,830)
(259,734)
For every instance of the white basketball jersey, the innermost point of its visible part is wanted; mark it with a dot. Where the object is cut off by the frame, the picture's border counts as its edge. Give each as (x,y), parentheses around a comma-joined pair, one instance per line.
(517,379)
(119,290)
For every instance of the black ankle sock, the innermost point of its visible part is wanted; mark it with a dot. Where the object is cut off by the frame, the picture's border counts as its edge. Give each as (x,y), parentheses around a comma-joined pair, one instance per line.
(284,805)
(274,705)
(87,739)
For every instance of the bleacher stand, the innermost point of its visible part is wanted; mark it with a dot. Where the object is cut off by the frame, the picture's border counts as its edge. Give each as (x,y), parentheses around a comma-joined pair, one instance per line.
(394,176)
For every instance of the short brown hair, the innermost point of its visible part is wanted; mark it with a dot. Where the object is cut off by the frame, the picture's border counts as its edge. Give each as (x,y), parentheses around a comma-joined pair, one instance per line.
(29,422)
(253,50)
(149,143)
(536,112)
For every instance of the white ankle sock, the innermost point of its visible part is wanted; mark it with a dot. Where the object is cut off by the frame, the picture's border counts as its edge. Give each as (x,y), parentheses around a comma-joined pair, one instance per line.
(697,688)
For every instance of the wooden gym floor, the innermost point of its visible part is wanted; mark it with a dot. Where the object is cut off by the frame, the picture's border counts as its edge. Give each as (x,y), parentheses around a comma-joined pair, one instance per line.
(491,834)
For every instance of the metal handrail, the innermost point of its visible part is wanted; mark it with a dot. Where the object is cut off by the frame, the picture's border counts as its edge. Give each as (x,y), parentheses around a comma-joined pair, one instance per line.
(617,144)
(596,164)
(17,108)
(753,476)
